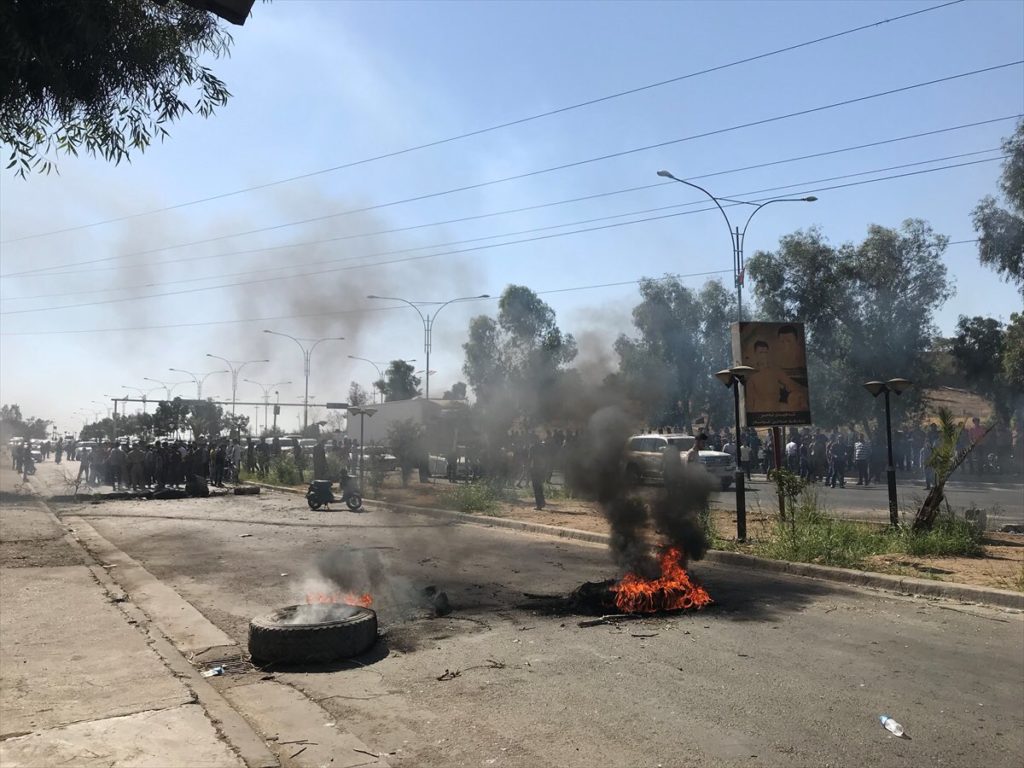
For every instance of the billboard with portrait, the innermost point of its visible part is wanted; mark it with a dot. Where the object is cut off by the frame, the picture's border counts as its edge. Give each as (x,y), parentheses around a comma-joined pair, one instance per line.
(776,394)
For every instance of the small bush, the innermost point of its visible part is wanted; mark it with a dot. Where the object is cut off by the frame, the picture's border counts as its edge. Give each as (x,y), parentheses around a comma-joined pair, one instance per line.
(475,497)
(283,470)
(949,537)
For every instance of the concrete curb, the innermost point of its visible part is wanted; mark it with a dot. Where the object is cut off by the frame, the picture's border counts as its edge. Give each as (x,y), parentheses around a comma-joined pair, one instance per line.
(1003,598)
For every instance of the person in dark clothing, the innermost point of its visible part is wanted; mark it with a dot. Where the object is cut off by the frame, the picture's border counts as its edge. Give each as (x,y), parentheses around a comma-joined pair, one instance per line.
(538,471)
(319,461)
(300,459)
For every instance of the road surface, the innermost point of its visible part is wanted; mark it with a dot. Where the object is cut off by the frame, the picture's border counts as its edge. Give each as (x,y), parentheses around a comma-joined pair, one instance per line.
(781,671)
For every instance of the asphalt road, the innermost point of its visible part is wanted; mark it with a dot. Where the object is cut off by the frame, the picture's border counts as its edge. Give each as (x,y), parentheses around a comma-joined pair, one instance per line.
(781,671)
(1002,500)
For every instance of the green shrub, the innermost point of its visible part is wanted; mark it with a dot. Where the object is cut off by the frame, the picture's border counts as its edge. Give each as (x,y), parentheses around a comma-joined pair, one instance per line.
(283,470)
(475,497)
(950,536)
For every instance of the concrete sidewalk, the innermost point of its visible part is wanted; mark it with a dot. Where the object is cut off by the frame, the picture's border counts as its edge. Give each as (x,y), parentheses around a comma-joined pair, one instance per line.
(79,685)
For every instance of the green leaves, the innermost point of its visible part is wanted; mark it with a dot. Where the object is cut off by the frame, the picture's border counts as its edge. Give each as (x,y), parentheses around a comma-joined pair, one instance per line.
(105,80)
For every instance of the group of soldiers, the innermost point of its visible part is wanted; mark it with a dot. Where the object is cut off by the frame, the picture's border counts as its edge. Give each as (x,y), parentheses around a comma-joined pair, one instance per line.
(160,465)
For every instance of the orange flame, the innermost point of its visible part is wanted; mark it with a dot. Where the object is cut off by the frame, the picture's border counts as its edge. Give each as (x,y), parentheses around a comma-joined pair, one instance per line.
(364,600)
(672,591)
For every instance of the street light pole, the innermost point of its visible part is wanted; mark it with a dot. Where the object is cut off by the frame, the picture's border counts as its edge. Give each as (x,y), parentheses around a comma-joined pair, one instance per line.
(234,374)
(380,375)
(737,236)
(428,322)
(267,389)
(899,386)
(168,388)
(307,353)
(199,380)
(362,413)
(734,378)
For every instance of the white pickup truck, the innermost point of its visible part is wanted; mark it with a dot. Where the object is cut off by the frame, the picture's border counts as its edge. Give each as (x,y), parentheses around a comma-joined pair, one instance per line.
(644,462)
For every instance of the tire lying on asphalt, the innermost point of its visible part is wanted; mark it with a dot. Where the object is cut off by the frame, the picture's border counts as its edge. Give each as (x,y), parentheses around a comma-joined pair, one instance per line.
(312,633)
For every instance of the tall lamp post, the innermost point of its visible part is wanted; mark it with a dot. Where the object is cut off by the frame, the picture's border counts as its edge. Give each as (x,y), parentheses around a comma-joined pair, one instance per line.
(235,366)
(199,379)
(899,386)
(307,353)
(143,393)
(428,322)
(168,388)
(734,378)
(267,389)
(362,413)
(380,374)
(736,235)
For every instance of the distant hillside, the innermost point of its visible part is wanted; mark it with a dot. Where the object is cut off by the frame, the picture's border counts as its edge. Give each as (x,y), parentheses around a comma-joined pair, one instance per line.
(962,403)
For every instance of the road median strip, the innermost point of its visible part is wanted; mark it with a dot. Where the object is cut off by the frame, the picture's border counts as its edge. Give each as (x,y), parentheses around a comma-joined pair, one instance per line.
(1003,598)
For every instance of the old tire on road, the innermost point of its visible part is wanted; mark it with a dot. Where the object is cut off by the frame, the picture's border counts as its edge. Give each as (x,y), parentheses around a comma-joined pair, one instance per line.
(312,633)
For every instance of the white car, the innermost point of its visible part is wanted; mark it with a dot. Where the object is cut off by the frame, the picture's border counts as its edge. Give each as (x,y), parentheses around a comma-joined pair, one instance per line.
(644,463)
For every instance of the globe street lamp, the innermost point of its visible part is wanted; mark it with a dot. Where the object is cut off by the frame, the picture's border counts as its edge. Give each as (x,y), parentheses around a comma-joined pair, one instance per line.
(267,389)
(736,236)
(307,353)
(236,367)
(380,375)
(899,386)
(428,322)
(734,378)
(199,379)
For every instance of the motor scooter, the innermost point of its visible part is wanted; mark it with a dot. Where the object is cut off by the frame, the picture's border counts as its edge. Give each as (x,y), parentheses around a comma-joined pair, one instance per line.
(320,494)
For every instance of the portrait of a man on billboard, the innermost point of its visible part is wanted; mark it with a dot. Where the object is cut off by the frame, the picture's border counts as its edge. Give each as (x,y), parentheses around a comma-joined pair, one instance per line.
(776,394)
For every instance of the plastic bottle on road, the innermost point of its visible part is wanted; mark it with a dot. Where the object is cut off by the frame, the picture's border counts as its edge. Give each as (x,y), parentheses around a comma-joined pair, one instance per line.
(891,725)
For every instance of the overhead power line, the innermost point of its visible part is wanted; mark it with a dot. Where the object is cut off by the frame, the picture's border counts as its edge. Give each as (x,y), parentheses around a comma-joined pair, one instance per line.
(508,124)
(516,233)
(394,230)
(564,166)
(362,310)
(464,250)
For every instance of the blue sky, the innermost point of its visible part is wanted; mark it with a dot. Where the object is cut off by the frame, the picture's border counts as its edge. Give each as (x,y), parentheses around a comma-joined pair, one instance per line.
(320,84)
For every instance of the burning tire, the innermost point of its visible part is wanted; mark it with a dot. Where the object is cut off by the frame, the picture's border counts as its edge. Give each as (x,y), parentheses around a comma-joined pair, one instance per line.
(312,633)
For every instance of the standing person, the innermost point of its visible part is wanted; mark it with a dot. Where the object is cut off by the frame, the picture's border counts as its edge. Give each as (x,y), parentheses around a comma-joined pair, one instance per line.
(262,458)
(925,456)
(235,459)
(300,459)
(976,460)
(83,467)
(861,452)
(135,463)
(837,462)
(218,458)
(319,461)
(538,471)
(58,451)
(116,461)
(745,456)
(250,456)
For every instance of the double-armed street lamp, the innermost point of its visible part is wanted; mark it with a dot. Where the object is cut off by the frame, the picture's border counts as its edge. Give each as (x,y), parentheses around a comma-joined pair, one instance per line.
(307,353)
(380,374)
(428,311)
(736,235)
(899,386)
(198,378)
(734,378)
(168,387)
(143,393)
(235,366)
(267,389)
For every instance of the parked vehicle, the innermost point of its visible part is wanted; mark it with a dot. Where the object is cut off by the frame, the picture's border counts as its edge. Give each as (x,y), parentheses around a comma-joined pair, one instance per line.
(320,494)
(644,458)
